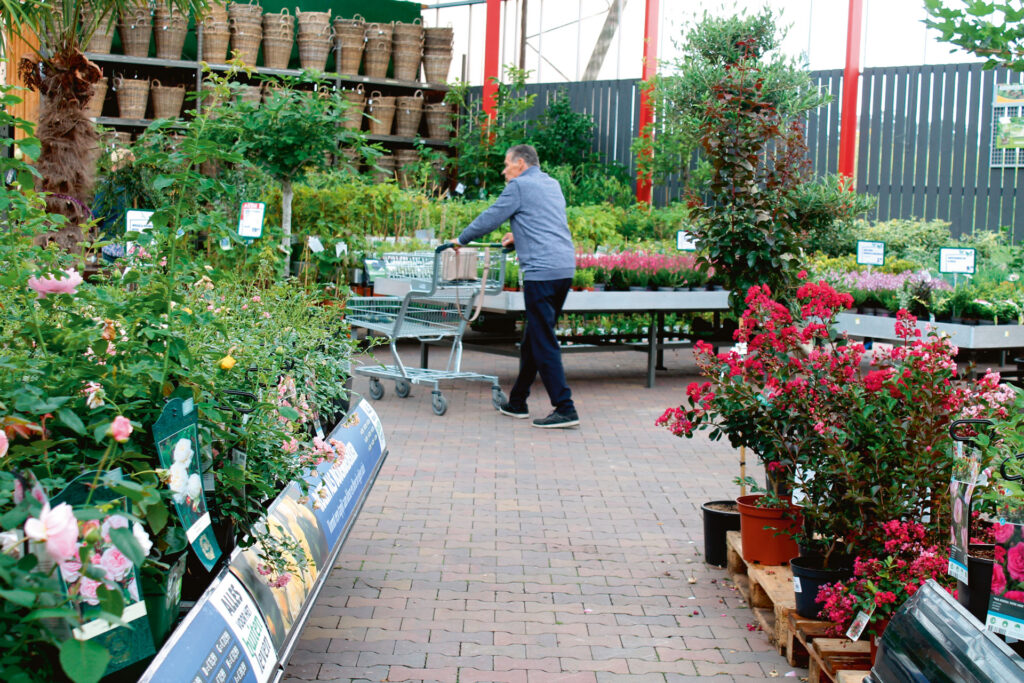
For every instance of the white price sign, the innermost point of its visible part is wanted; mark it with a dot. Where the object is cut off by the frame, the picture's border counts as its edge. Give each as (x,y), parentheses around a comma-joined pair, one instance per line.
(250,219)
(870,253)
(138,220)
(956,260)
(685,241)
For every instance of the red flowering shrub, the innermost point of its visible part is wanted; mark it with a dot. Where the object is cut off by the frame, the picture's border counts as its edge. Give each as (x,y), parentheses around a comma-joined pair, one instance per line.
(864,443)
(881,584)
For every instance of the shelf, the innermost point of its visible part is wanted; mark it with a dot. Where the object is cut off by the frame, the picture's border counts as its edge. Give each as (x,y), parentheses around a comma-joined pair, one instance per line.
(348,78)
(141,61)
(432,142)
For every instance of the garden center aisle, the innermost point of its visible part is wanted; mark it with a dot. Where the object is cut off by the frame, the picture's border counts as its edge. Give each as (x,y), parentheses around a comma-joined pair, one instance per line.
(493,551)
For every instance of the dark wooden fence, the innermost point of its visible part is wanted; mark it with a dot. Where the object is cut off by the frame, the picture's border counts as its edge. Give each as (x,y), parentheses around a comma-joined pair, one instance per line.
(924,141)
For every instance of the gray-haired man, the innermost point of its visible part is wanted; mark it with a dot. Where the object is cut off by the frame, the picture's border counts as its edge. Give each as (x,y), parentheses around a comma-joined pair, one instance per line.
(533,204)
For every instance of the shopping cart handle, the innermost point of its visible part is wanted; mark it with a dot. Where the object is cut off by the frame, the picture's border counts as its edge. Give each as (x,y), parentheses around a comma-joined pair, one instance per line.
(959,423)
(492,245)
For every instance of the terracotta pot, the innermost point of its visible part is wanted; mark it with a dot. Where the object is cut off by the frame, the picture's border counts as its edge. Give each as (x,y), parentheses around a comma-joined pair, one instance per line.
(766,531)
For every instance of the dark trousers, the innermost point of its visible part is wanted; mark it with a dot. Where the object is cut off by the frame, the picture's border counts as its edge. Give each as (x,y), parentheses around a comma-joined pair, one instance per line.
(539,352)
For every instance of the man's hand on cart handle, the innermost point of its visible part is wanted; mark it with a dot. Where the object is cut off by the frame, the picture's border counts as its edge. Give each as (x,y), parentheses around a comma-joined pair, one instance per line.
(456,244)
(508,240)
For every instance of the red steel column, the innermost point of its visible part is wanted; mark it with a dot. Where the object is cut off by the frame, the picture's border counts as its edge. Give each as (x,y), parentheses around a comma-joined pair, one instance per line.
(491,46)
(851,88)
(650,67)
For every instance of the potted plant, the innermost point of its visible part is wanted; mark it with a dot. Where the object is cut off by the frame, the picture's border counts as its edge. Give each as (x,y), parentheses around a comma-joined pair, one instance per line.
(895,564)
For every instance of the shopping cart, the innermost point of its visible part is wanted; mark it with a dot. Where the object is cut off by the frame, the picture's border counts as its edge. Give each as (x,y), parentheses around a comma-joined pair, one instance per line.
(445,288)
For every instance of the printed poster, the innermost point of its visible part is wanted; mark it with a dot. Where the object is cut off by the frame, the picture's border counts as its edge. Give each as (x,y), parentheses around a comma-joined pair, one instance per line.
(224,639)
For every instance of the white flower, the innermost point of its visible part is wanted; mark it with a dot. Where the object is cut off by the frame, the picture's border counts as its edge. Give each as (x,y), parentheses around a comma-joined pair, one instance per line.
(142,537)
(177,480)
(183,451)
(194,487)
(9,539)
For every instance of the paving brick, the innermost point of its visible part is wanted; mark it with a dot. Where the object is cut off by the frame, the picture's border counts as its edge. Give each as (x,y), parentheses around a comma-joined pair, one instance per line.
(554,556)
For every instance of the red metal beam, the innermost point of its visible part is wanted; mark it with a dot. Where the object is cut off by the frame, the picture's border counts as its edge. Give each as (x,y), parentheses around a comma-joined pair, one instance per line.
(491,46)
(650,67)
(851,88)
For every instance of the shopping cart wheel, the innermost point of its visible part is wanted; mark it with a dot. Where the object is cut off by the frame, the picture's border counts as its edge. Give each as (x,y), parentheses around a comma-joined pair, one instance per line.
(498,397)
(402,388)
(376,389)
(439,404)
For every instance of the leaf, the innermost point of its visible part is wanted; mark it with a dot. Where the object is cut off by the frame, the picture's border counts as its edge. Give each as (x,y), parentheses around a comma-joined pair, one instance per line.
(19,597)
(128,544)
(163,182)
(288,413)
(68,417)
(69,615)
(157,515)
(84,661)
(111,600)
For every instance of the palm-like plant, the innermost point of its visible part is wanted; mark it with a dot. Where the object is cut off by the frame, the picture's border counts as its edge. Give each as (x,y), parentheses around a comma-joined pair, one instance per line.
(64,77)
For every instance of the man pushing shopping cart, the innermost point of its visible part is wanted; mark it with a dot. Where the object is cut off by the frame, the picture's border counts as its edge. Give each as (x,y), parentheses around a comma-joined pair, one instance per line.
(533,203)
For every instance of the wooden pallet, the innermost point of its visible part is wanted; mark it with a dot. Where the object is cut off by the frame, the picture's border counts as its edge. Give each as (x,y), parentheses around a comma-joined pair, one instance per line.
(829,656)
(767,589)
(850,676)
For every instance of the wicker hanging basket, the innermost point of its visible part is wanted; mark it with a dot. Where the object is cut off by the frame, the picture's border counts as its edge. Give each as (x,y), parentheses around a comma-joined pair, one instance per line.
(439,118)
(167,100)
(216,38)
(385,168)
(120,138)
(408,113)
(351,157)
(312,21)
(353,117)
(250,93)
(409,32)
(354,27)
(136,28)
(277,51)
(313,51)
(407,57)
(351,56)
(404,158)
(246,11)
(99,94)
(217,12)
(132,96)
(169,31)
(246,37)
(377,56)
(103,36)
(377,31)
(382,113)
(435,68)
(278,22)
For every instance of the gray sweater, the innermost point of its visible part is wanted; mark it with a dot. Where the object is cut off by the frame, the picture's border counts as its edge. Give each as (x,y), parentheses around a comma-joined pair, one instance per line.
(535,208)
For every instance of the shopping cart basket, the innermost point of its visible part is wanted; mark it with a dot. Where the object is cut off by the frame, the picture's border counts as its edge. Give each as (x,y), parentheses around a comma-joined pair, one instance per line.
(445,287)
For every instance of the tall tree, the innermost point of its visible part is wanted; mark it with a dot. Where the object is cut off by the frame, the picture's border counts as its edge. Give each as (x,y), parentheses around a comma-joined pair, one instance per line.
(61,73)
(992,30)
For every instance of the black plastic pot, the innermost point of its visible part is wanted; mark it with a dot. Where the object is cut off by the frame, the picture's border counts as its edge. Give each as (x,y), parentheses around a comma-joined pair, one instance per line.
(716,523)
(808,577)
(975,593)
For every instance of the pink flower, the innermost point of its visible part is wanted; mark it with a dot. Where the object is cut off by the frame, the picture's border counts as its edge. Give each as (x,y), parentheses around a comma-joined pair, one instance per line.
(120,429)
(71,568)
(998,579)
(50,285)
(113,522)
(265,314)
(290,446)
(87,590)
(281,581)
(1016,596)
(115,564)
(58,528)
(1002,532)
(1015,562)
(4,443)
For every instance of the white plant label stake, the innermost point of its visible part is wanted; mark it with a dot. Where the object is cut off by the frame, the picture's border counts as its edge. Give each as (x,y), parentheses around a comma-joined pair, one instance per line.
(250,220)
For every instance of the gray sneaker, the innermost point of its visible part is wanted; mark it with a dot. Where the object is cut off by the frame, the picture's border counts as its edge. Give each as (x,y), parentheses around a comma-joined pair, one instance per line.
(557,420)
(518,413)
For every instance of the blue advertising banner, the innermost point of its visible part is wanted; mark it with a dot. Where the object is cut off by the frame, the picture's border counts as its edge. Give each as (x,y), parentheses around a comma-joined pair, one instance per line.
(224,639)
(245,623)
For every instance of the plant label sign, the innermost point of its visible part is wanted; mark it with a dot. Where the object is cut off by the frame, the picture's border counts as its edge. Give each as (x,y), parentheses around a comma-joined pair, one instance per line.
(132,640)
(315,245)
(138,220)
(685,241)
(956,260)
(1006,604)
(177,442)
(960,495)
(870,253)
(250,220)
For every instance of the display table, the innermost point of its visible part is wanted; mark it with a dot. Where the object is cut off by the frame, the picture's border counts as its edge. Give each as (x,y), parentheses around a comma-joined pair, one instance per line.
(655,304)
(971,337)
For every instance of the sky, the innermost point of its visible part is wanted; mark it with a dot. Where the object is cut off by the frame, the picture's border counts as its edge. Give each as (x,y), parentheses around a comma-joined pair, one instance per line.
(561,34)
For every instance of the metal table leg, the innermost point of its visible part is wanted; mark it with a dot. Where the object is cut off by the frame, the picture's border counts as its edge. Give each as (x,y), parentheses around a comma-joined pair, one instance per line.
(661,341)
(652,350)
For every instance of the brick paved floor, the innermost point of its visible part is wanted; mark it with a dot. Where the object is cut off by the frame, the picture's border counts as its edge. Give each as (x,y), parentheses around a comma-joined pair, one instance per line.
(490,550)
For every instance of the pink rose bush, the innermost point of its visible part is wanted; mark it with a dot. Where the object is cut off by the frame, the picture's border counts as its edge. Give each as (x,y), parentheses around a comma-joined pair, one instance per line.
(44,286)
(57,528)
